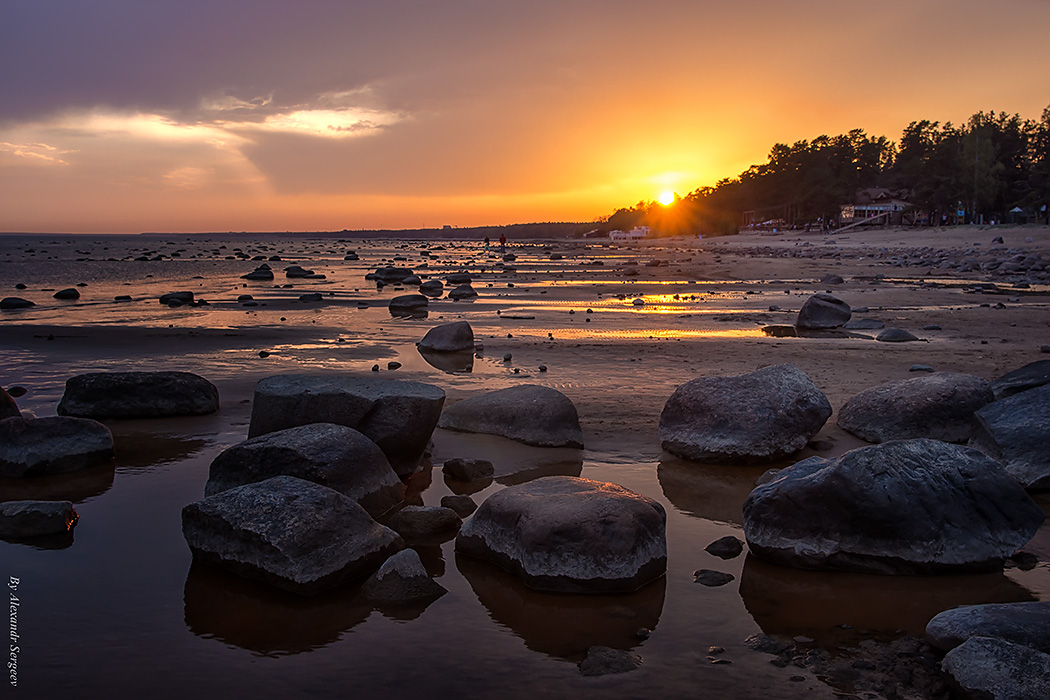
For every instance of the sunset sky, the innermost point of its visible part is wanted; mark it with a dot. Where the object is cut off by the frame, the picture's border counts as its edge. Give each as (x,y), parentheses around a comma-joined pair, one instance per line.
(193,115)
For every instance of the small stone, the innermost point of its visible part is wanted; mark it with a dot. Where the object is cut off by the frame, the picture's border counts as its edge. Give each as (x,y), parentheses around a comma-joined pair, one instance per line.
(920,368)
(263,353)
(375,368)
(931,327)
(715,650)
(543,368)
(710,578)
(643,633)
(393,365)
(602,661)
(507,357)
(726,547)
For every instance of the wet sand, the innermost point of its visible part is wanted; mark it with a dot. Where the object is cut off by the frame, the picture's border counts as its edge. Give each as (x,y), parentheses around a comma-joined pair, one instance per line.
(125,588)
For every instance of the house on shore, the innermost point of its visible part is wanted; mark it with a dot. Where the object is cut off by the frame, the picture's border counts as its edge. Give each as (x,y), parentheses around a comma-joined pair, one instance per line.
(877,206)
(636,233)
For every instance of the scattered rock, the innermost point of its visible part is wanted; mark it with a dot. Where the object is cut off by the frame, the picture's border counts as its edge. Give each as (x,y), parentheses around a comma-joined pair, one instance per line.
(138,395)
(432,288)
(895,335)
(335,456)
(561,533)
(603,661)
(24,519)
(403,579)
(728,547)
(532,414)
(68,294)
(458,278)
(448,337)
(425,522)
(823,311)
(15,303)
(1016,431)
(903,507)
(176,298)
(393,274)
(468,469)
(56,445)
(938,406)
(464,291)
(766,415)
(920,368)
(1027,624)
(711,578)
(408,304)
(1031,376)
(261,273)
(831,279)
(312,296)
(462,504)
(991,668)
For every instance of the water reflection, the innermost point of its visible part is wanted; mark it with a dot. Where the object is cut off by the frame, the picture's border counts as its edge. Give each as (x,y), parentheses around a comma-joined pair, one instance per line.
(786,601)
(711,491)
(562,625)
(513,462)
(75,486)
(451,362)
(143,450)
(57,540)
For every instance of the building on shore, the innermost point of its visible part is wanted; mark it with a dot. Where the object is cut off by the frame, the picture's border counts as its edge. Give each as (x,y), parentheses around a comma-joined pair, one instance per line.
(636,233)
(879,206)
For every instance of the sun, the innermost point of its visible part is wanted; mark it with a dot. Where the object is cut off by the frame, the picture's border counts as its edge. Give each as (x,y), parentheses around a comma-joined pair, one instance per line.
(666,198)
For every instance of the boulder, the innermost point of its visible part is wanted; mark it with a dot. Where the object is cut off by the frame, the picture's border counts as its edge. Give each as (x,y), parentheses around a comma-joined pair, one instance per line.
(402,579)
(8,407)
(55,445)
(408,304)
(425,522)
(461,469)
(68,294)
(288,532)
(458,278)
(823,311)
(15,303)
(1027,624)
(462,504)
(138,395)
(432,288)
(903,507)
(1031,376)
(763,416)
(398,416)
(991,669)
(297,272)
(448,337)
(896,335)
(463,291)
(1016,432)
(22,519)
(728,547)
(261,273)
(176,298)
(393,274)
(562,533)
(532,414)
(938,406)
(335,456)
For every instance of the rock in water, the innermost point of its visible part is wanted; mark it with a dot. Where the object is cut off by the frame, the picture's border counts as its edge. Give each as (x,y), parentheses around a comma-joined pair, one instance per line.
(603,661)
(461,469)
(21,519)
(138,395)
(1016,431)
(727,547)
(561,533)
(335,456)
(425,522)
(408,304)
(68,294)
(1031,376)
(1020,623)
(939,406)
(463,291)
(448,337)
(55,445)
(403,579)
(532,414)
(431,288)
(766,415)
(991,668)
(15,303)
(291,533)
(823,311)
(398,416)
(8,407)
(904,507)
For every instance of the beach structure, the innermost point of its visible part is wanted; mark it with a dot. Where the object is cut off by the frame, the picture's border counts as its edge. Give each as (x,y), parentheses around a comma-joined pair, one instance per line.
(875,205)
(636,233)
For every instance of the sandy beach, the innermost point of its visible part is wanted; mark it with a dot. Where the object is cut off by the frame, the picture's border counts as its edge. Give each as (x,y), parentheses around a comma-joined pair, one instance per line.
(125,589)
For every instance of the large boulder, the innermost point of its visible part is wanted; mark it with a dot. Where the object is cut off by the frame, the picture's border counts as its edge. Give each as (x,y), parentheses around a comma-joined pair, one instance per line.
(991,669)
(904,507)
(561,533)
(448,337)
(822,311)
(332,455)
(396,415)
(1016,431)
(766,415)
(1031,376)
(1020,623)
(23,519)
(54,445)
(532,414)
(138,395)
(938,406)
(291,533)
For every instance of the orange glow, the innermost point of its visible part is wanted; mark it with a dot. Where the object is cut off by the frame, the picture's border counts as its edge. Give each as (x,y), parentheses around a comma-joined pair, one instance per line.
(666,198)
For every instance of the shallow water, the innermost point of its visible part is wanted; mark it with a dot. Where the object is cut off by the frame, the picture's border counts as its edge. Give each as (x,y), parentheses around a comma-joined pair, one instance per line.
(121,609)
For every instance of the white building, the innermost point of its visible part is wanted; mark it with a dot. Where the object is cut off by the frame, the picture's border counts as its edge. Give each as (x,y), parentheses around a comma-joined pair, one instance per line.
(634,234)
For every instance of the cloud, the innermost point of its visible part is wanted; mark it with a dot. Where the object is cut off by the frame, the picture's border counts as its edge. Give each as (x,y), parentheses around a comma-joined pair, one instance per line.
(36,153)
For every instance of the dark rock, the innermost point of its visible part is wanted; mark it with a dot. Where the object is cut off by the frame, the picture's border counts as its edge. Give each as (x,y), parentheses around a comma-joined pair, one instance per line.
(8,407)
(458,278)
(938,406)
(297,272)
(1031,376)
(904,507)
(823,311)
(468,469)
(432,288)
(312,296)
(534,415)
(895,335)
(335,456)
(408,304)
(138,395)
(56,445)
(931,327)
(711,579)
(766,644)
(424,522)
(402,579)
(263,272)
(863,324)
(780,331)
(70,293)
(448,337)
(766,415)
(1027,624)
(1016,432)
(920,368)
(22,519)
(464,291)
(831,279)
(15,303)
(177,298)
(727,547)
(561,533)
(604,661)
(398,416)
(393,365)
(462,504)
(291,533)
(986,668)
(393,274)
(122,297)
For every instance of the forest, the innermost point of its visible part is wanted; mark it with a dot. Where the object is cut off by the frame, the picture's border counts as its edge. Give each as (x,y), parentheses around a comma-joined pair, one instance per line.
(995,167)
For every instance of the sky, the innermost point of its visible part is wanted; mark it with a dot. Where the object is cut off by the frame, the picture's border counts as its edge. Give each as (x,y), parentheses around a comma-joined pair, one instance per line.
(124,116)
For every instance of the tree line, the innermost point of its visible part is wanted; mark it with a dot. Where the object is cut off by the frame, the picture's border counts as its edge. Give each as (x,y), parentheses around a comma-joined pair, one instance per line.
(982,170)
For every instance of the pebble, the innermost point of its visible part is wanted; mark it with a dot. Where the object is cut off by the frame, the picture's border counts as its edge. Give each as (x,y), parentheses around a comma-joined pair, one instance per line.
(375,368)
(507,357)
(711,578)
(263,353)
(393,365)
